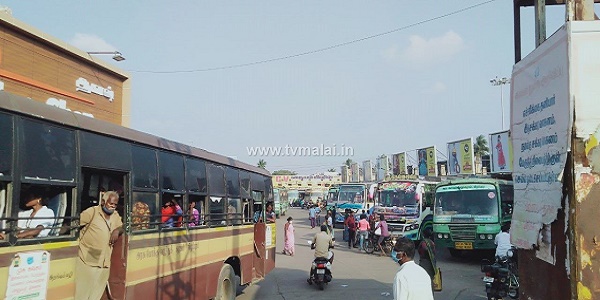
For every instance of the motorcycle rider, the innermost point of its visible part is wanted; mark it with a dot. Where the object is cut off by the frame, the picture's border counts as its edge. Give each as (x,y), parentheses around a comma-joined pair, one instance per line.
(502,241)
(322,242)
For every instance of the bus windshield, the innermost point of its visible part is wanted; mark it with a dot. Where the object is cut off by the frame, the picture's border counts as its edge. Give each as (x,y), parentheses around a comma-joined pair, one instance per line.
(467,200)
(315,195)
(293,195)
(398,198)
(332,196)
(351,194)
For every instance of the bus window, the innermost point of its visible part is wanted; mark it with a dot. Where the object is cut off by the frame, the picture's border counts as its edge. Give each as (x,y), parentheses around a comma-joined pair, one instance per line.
(245,184)
(48,152)
(6,144)
(233,182)
(216,211)
(144,167)
(54,215)
(234,208)
(171,172)
(144,213)
(196,210)
(257,205)
(3,210)
(196,176)
(171,212)
(216,180)
(507,197)
(248,212)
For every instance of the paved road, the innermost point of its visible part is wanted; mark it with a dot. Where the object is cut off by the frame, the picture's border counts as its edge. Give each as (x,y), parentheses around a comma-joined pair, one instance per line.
(355,275)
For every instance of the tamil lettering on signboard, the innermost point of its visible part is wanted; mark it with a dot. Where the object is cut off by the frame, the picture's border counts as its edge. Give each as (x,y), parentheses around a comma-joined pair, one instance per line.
(28,276)
(540,128)
(83,85)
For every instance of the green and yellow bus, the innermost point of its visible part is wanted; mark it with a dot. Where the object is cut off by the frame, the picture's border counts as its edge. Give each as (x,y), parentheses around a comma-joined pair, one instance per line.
(468,213)
(74,159)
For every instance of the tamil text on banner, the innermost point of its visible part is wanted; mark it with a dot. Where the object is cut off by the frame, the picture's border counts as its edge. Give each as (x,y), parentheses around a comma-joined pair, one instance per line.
(502,152)
(460,157)
(540,127)
(28,275)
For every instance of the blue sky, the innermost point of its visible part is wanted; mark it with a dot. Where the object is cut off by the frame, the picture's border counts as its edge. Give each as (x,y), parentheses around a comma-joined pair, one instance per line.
(421,86)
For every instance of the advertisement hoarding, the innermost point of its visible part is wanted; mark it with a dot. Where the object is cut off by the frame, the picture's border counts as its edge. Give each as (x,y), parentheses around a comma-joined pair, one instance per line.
(399,162)
(460,157)
(427,161)
(502,152)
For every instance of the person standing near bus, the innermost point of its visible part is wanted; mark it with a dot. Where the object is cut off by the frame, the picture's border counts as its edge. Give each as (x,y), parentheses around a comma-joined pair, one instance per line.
(290,240)
(351,225)
(102,226)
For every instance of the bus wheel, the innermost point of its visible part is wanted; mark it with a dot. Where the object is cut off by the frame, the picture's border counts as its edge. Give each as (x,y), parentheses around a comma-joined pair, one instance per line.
(226,289)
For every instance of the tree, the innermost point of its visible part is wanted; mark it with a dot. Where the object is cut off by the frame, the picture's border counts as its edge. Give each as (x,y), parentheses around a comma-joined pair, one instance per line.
(480,148)
(262,164)
(349,162)
(284,172)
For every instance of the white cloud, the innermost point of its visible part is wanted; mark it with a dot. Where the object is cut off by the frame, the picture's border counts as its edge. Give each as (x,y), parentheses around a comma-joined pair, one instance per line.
(423,52)
(90,42)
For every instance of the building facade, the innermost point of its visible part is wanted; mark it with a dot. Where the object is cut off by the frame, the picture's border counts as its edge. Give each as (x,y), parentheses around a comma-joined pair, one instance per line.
(45,69)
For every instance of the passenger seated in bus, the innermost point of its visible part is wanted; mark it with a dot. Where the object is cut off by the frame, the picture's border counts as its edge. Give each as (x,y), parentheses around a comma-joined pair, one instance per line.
(194,215)
(140,216)
(231,214)
(270,214)
(38,220)
(171,213)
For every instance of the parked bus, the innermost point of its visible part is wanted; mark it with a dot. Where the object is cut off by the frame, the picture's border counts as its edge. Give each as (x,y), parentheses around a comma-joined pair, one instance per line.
(332,195)
(294,198)
(74,159)
(353,196)
(469,212)
(407,207)
(281,203)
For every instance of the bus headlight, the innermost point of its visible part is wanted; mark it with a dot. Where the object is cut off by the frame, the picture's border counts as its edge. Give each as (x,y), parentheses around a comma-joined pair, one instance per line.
(446,236)
(490,237)
(440,236)
(482,236)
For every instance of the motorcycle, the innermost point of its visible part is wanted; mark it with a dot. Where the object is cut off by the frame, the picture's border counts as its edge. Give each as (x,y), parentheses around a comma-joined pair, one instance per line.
(320,272)
(501,277)
(370,244)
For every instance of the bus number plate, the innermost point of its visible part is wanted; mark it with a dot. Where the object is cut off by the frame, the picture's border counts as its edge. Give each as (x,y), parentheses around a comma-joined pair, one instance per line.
(463,245)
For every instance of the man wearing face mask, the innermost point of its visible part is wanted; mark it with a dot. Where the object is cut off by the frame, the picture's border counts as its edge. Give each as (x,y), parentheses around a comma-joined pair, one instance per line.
(102,226)
(412,281)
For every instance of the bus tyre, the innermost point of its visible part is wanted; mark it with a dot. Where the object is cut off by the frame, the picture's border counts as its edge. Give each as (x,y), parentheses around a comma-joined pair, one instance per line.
(226,288)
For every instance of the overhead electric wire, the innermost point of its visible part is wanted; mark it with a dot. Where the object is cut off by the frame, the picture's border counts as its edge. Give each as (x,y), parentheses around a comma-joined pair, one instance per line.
(242,65)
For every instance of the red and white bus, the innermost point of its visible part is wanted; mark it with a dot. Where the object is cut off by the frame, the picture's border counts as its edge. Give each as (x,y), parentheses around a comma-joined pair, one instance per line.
(73,159)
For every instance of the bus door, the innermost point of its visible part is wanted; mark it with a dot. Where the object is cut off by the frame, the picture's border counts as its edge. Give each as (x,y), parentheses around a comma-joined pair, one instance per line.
(260,228)
(95,184)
